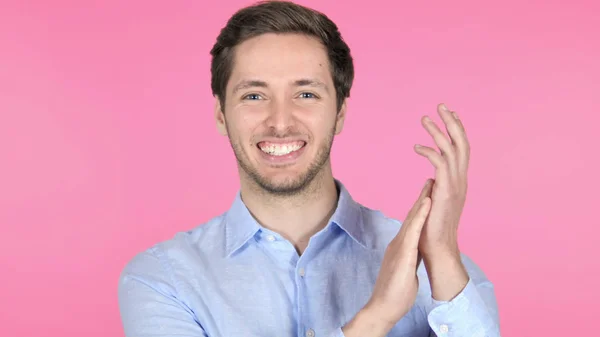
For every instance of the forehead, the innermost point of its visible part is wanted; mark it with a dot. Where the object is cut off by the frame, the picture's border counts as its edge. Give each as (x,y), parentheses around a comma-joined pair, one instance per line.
(280,58)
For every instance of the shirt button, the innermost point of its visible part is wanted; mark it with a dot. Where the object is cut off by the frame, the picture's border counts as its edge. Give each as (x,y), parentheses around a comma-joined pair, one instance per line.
(270,238)
(301,273)
(310,333)
(444,328)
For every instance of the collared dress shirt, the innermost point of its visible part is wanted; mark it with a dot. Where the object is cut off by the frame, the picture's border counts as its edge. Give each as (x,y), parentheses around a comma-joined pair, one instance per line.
(233,277)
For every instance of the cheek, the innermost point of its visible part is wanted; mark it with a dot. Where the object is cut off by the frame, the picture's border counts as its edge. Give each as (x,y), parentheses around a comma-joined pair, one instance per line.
(249,120)
(244,123)
(320,123)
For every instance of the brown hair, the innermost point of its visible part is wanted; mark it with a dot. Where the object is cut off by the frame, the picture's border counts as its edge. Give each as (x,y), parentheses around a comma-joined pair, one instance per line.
(280,17)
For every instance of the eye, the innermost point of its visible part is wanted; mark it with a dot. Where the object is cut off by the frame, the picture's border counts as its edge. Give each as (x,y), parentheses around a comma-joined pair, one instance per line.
(308,95)
(252,97)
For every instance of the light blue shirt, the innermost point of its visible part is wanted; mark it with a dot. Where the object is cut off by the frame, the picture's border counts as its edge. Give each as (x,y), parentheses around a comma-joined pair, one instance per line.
(233,277)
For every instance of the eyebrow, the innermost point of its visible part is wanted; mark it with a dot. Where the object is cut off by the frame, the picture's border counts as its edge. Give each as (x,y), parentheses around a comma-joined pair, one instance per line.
(305,82)
(249,84)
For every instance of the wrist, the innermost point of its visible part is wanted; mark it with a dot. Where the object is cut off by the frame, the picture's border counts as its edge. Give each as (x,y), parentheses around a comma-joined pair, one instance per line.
(442,254)
(446,272)
(367,323)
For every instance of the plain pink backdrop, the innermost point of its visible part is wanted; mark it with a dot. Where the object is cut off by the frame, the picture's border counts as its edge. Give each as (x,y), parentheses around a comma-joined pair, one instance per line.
(107,144)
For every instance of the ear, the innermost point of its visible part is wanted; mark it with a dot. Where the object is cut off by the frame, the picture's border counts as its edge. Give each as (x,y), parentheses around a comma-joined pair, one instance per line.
(340,118)
(220,117)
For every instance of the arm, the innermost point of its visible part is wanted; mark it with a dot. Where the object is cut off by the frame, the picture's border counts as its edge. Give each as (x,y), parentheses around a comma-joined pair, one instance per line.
(463,305)
(149,304)
(471,311)
(462,299)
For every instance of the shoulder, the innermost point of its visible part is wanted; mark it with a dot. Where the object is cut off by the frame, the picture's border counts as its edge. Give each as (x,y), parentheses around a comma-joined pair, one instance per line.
(158,263)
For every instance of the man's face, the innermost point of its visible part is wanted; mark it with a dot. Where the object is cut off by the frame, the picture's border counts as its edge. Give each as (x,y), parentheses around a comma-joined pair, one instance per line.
(280,111)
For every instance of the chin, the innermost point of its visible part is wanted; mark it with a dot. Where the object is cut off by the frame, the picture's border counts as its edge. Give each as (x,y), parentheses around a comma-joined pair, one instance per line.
(285,189)
(284,183)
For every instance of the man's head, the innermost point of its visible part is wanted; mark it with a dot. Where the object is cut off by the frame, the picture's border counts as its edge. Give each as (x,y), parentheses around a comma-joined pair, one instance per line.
(281,74)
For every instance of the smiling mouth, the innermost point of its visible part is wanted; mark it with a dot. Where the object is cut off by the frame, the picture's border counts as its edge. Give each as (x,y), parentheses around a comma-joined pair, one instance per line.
(280,149)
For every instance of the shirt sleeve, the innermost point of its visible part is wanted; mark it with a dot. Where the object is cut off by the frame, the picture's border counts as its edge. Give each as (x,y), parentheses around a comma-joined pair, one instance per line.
(473,312)
(149,304)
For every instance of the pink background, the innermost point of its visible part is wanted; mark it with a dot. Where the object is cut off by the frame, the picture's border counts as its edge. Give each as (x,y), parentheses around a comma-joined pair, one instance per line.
(107,144)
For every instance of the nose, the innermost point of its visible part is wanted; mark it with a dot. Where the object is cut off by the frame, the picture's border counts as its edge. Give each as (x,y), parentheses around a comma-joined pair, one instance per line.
(280,116)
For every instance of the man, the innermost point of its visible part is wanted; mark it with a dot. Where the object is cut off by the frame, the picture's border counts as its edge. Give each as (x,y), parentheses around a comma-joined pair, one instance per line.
(295,255)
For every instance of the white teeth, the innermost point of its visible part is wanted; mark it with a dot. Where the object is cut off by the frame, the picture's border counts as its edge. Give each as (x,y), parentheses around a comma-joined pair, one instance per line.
(280,150)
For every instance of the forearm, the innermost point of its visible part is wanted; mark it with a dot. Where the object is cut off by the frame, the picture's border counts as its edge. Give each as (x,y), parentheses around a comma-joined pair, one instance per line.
(447,274)
(463,300)
(366,323)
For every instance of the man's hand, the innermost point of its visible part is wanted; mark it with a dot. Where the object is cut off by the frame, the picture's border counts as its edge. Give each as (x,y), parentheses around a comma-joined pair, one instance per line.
(439,240)
(450,187)
(396,287)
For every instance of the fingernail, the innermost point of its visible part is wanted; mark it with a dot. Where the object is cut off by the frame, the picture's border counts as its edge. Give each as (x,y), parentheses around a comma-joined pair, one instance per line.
(444,107)
(455,115)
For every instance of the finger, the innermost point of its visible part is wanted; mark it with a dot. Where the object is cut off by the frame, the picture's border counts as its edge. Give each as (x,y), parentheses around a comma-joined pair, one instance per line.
(425,192)
(414,229)
(418,262)
(434,157)
(457,134)
(442,142)
(443,174)
(464,150)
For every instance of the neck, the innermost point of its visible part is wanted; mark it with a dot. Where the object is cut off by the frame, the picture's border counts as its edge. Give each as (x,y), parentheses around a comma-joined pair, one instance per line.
(295,217)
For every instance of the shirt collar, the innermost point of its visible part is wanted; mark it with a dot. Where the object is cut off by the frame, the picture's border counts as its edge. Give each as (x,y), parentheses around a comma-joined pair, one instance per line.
(348,216)
(241,226)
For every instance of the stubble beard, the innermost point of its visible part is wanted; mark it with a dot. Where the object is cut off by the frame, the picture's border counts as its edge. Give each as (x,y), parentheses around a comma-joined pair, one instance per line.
(289,187)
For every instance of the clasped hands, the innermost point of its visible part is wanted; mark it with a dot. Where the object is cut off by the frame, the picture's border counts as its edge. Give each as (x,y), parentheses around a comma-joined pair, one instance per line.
(428,234)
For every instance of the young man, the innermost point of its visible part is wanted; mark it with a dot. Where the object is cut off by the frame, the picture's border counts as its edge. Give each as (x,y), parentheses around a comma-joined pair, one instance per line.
(295,255)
